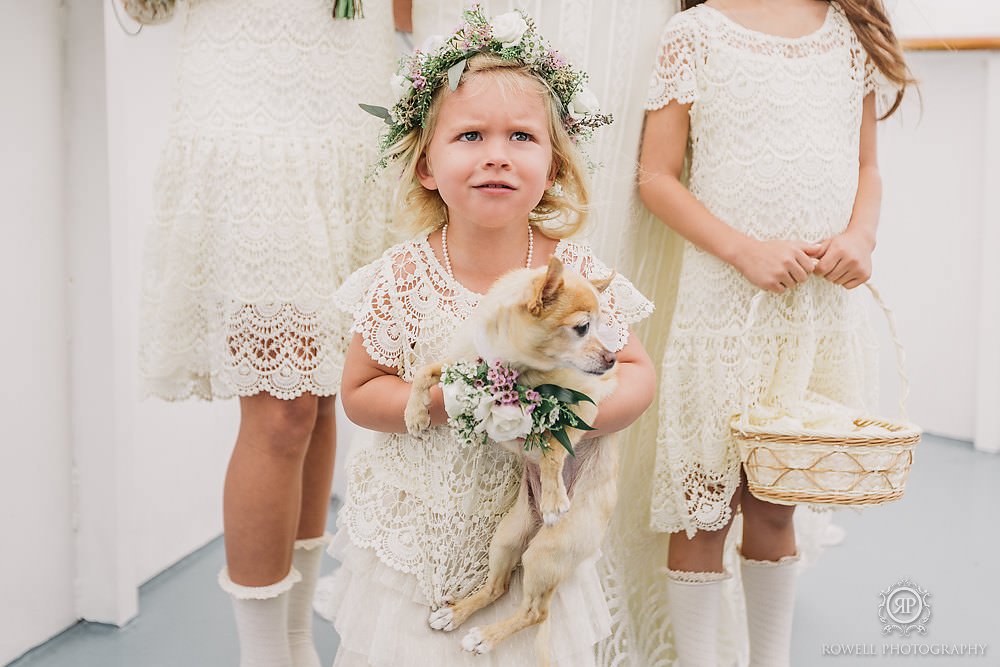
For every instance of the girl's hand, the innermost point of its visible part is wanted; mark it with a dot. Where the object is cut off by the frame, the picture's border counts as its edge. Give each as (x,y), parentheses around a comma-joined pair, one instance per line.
(438,414)
(776,265)
(846,259)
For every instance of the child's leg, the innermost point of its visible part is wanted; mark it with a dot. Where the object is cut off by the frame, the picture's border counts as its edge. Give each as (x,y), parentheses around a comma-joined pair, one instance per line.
(769,568)
(317,476)
(262,497)
(261,614)
(694,588)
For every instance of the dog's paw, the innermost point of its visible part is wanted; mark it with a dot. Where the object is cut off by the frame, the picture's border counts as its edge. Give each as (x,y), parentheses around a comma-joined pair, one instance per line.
(474,642)
(552,516)
(442,619)
(417,417)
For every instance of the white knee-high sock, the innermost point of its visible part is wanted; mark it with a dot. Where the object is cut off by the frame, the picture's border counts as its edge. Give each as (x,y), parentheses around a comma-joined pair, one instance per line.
(769,587)
(261,620)
(694,603)
(306,558)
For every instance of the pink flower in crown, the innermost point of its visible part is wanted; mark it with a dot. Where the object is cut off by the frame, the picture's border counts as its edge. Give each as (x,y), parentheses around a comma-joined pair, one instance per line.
(556,59)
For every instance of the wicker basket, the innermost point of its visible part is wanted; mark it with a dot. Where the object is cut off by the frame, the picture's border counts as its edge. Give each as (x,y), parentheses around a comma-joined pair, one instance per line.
(835,467)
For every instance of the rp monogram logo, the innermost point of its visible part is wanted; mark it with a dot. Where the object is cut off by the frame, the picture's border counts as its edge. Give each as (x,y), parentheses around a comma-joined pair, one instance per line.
(904,608)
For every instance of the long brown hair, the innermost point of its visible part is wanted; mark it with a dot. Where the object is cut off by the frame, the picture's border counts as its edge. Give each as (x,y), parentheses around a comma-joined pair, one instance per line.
(871,24)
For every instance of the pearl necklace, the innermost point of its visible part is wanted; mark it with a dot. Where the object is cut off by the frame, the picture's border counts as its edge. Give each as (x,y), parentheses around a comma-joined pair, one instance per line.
(447,260)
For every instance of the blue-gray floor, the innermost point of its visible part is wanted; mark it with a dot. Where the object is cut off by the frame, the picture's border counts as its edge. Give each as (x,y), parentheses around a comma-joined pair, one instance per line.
(944,536)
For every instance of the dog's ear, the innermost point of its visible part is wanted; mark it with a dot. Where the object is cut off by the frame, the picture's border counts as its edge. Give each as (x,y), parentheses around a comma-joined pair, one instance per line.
(602,283)
(547,287)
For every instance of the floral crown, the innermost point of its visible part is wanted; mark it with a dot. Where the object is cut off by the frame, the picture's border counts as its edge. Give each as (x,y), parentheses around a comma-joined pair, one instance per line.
(511,37)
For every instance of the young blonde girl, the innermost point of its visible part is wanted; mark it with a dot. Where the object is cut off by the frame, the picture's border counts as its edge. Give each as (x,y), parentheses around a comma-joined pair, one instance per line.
(771,105)
(480,163)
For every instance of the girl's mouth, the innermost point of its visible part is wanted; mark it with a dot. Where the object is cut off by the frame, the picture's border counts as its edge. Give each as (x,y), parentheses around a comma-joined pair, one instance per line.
(494,186)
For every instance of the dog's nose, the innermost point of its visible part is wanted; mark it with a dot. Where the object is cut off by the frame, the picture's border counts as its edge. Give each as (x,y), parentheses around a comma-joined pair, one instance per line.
(609,358)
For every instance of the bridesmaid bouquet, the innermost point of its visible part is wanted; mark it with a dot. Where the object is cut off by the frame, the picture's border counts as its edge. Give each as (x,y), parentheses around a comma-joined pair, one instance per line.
(487,401)
(149,12)
(348,9)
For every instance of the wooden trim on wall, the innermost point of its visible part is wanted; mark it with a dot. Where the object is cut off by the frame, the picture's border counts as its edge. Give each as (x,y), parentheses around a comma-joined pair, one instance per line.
(951,43)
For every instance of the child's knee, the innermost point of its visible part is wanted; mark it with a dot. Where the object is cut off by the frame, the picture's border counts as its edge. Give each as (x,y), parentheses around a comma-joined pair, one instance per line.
(761,515)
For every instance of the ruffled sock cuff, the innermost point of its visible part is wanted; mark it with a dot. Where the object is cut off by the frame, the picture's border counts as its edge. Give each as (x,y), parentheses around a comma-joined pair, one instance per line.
(311,543)
(258,592)
(685,577)
(781,562)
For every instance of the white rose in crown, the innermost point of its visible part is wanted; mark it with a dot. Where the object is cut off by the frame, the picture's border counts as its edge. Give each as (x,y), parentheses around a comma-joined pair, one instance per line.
(509,28)
(400,87)
(507,422)
(584,103)
(432,44)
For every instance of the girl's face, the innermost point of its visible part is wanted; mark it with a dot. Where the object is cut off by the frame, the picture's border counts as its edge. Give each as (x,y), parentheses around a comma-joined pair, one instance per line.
(490,157)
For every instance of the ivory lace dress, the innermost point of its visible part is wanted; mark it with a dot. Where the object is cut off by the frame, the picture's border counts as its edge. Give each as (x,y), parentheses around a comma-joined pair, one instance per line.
(420,511)
(260,206)
(774,145)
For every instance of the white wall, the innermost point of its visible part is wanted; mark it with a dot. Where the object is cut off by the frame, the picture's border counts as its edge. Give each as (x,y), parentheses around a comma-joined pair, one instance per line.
(35,484)
(928,262)
(179,451)
(953,18)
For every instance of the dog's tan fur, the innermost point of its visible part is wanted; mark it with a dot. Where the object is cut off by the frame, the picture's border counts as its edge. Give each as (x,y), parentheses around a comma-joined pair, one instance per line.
(532,319)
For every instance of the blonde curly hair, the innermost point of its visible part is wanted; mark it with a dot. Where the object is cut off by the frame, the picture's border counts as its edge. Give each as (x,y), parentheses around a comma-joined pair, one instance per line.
(560,213)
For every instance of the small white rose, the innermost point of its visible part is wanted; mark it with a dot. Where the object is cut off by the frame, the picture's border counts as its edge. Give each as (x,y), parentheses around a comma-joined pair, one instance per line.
(482,411)
(507,422)
(400,87)
(432,44)
(456,398)
(584,103)
(509,28)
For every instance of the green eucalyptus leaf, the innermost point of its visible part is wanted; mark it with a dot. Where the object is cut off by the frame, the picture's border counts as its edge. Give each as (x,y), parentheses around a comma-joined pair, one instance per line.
(579,397)
(563,394)
(560,435)
(555,391)
(455,73)
(378,112)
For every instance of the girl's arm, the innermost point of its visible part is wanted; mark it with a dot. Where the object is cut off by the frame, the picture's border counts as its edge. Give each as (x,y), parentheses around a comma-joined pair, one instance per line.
(636,386)
(374,396)
(771,265)
(402,11)
(846,259)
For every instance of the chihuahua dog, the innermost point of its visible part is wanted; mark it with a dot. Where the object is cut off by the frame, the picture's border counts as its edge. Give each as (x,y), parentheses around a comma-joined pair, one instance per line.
(543,322)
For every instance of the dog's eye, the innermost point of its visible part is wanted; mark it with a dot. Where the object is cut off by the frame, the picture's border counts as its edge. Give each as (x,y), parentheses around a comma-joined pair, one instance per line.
(582,329)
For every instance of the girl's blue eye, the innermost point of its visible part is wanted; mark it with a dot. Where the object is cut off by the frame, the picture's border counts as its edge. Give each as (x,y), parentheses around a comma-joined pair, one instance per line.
(521,136)
(469,136)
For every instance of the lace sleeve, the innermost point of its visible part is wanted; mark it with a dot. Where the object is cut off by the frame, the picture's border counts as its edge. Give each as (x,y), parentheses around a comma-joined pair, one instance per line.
(622,305)
(682,46)
(368,299)
(885,90)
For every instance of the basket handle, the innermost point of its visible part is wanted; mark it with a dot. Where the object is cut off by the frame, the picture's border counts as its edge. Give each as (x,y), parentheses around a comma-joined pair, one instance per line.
(904,382)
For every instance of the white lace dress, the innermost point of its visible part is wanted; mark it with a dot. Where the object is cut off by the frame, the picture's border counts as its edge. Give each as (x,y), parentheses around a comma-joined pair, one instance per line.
(420,512)
(260,206)
(616,43)
(774,145)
